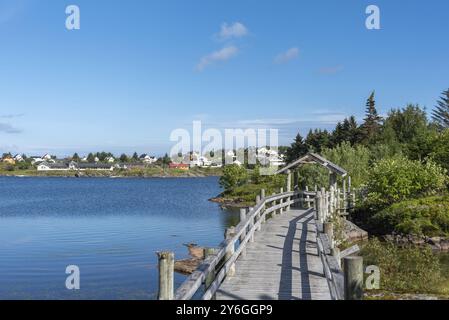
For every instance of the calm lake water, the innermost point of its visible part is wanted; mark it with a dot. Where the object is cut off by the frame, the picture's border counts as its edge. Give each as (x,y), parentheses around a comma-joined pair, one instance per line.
(110,228)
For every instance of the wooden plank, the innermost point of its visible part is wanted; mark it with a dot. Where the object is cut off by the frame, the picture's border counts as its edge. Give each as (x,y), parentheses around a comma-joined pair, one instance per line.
(282,263)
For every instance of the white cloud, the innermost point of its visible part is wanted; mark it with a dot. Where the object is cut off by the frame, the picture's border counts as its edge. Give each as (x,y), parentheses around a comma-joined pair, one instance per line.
(234,30)
(284,57)
(7,128)
(221,55)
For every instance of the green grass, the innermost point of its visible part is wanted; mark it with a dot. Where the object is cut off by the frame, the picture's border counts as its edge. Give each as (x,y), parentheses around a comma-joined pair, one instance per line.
(407,270)
(152,171)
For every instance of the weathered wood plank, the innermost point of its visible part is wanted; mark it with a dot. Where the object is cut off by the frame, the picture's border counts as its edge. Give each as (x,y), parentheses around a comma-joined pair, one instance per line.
(283,262)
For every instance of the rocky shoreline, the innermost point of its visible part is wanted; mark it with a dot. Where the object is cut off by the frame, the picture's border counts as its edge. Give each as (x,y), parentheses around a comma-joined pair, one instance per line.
(227,203)
(437,244)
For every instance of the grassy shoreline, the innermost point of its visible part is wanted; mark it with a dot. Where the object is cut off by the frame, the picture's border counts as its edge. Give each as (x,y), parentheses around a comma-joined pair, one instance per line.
(151,172)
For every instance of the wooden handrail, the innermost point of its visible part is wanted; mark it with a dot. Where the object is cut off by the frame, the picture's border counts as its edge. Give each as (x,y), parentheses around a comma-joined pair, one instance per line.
(191,285)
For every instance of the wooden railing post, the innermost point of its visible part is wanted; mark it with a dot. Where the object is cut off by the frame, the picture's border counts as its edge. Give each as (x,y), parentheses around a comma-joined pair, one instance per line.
(345,197)
(230,232)
(166,262)
(281,210)
(210,277)
(308,205)
(289,186)
(242,237)
(318,204)
(259,214)
(329,231)
(251,239)
(353,277)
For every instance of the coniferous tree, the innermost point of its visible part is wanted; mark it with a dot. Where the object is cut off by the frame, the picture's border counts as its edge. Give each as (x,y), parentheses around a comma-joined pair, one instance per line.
(76,157)
(298,149)
(372,122)
(441,113)
(90,158)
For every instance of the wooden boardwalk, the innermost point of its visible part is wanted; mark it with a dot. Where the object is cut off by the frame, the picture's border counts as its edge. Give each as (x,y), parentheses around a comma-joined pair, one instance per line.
(281,264)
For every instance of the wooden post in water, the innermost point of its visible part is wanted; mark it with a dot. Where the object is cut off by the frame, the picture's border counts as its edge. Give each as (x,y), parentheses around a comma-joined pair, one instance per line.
(210,277)
(329,231)
(242,237)
(166,262)
(353,277)
(230,232)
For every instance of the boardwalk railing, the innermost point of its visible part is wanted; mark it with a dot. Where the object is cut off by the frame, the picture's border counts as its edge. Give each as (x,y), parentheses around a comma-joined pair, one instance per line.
(222,263)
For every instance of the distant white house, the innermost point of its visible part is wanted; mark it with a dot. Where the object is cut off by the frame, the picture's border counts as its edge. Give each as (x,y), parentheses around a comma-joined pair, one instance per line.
(47,166)
(84,159)
(36,159)
(110,159)
(96,159)
(237,163)
(47,157)
(18,158)
(200,161)
(148,159)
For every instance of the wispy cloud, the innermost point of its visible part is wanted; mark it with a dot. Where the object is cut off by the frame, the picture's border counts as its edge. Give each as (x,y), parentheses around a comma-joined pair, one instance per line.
(7,128)
(11,116)
(331,70)
(233,30)
(221,55)
(287,56)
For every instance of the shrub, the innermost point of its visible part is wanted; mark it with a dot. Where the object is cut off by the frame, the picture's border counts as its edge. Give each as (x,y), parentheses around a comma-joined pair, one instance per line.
(398,178)
(440,152)
(425,216)
(233,176)
(354,159)
(404,269)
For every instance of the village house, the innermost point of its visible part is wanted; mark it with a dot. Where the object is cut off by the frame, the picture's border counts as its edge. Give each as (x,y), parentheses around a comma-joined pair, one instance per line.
(180,166)
(9,160)
(64,166)
(18,158)
(110,159)
(48,166)
(148,159)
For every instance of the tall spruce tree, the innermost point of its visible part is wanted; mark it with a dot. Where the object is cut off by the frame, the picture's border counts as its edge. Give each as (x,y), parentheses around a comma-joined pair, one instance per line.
(441,113)
(372,122)
(298,149)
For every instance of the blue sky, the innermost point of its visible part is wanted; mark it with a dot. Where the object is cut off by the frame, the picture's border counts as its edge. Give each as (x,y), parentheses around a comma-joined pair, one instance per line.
(136,70)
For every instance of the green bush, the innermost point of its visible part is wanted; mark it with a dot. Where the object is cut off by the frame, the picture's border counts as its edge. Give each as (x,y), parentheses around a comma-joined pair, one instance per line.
(354,159)
(425,216)
(409,270)
(398,178)
(440,152)
(233,176)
